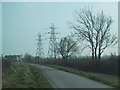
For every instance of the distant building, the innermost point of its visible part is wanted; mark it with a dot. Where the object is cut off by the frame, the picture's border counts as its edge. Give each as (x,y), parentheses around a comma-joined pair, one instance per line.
(13,57)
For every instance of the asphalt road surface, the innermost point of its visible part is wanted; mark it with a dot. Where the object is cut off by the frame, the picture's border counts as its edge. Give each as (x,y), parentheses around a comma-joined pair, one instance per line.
(62,79)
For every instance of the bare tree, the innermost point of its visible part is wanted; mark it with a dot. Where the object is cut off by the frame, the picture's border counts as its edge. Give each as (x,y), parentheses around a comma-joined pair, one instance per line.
(95,30)
(67,47)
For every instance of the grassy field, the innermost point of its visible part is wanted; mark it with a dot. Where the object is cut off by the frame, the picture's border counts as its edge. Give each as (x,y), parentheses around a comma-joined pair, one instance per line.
(21,75)
(107,79)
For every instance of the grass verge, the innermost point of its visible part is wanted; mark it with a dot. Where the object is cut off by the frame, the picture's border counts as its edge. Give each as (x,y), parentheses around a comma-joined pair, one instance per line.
(103,78)
(24,76)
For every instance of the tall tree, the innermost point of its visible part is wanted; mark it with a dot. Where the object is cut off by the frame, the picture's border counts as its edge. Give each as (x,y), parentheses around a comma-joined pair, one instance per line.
(95,30)
(67,47)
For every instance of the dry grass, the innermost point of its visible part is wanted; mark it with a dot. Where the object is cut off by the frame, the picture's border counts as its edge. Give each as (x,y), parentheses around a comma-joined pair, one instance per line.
(22,75)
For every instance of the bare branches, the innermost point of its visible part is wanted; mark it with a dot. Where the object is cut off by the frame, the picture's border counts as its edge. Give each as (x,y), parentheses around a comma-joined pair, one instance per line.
(67,47)
(95,29)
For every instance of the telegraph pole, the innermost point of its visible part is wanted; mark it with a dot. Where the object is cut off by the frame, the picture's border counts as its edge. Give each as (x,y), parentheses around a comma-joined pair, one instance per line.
(39,51)
(52,50)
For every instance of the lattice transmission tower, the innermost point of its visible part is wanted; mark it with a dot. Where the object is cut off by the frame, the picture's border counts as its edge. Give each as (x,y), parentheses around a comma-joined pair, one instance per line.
(39,51)
(52,50)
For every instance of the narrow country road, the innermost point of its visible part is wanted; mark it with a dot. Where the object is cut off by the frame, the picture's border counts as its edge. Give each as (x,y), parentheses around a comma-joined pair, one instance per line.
(61,79)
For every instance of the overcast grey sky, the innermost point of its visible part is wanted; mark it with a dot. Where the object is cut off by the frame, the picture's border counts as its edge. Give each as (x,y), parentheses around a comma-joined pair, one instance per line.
(21,22)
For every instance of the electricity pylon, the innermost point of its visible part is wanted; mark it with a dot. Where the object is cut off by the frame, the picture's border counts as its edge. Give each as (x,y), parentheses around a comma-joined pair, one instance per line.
(39,51)
(52,50)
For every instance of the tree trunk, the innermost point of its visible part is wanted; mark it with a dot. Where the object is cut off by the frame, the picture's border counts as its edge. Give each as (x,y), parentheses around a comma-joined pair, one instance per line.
(95,54)
(99,55)
(93,58)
